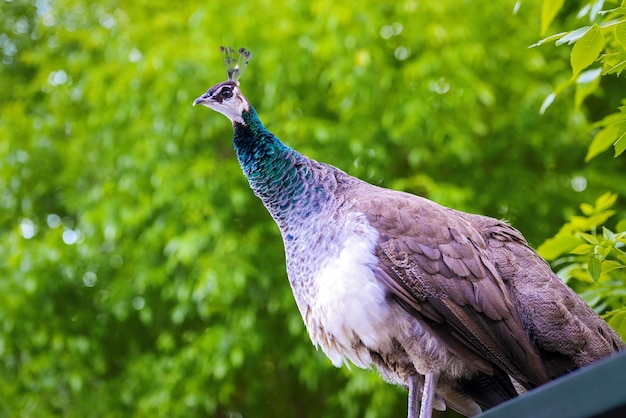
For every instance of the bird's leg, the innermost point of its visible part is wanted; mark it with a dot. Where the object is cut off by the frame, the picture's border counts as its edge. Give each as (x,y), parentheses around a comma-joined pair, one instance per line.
(428,395)
(414,395)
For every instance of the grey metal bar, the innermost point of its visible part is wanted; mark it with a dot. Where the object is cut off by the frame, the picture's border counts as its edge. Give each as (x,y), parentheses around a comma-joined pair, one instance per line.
(598,390)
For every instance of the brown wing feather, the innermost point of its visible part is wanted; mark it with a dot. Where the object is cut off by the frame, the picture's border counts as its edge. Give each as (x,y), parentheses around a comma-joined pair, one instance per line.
(568,333)
(433,262)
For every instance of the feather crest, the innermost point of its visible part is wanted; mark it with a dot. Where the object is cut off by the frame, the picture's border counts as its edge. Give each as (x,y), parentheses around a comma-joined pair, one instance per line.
(235,62)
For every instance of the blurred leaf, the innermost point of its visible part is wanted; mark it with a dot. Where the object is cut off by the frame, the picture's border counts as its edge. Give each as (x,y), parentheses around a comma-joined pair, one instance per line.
(586,84)
(617,320)
(547,102)
(587,209)
(606,201)
(549,10)
(620,143)
(558,245)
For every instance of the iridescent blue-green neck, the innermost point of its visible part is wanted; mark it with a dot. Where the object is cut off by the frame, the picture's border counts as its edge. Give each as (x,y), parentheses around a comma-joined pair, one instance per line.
(275,172)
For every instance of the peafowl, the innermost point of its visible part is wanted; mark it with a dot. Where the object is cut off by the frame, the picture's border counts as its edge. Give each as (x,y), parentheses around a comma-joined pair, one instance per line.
(455,307)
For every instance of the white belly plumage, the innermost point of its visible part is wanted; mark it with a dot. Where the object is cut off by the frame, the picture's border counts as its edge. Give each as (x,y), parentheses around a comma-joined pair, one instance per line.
(349,311)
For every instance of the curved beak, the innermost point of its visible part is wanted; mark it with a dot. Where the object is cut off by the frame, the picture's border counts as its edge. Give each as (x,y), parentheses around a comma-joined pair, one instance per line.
(204,99)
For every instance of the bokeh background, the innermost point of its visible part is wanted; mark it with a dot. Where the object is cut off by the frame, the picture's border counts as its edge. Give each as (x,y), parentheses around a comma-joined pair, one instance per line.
(139,276)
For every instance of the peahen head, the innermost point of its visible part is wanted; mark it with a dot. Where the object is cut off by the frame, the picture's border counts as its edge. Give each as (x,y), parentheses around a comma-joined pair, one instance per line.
(225,97)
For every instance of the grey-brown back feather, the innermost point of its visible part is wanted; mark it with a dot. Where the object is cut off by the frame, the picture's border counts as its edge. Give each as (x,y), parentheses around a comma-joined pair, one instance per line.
(567,331)
(481,289)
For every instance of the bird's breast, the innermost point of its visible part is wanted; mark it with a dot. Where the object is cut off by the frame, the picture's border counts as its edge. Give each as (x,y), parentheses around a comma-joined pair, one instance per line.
(348,313)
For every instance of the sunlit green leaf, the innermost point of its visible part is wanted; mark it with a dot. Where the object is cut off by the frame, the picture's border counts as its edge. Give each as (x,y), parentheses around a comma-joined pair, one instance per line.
(582,249)
(610,119)
(602,141)
(620,143)
(560,244)
(548,39)
(608,234)
(586,50)
(620,34)
(591,239)
(611,265)
(573,36)
(594,267)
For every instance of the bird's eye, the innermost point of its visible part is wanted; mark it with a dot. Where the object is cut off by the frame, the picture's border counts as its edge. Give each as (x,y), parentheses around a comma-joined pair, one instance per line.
(226,93)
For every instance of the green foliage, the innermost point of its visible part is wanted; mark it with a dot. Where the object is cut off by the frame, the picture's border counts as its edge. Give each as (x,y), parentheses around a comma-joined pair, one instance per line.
(141,277)
(591,254)
(603,42)
(611,131)
(591,259)
(574,233)
(586,250)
